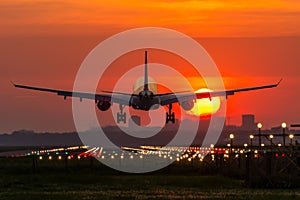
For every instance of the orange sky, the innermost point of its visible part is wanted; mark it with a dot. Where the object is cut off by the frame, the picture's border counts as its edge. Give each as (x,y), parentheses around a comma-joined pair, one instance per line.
(43,43)
(198,18)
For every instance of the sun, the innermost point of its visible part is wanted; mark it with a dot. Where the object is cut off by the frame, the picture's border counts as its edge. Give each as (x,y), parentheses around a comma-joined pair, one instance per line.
(205,106)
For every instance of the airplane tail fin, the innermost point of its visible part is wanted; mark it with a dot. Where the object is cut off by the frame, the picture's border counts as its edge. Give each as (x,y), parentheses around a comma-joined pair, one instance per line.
(146,88)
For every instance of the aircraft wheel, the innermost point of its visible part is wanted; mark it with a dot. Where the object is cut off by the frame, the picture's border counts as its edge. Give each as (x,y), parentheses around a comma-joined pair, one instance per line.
(124,118)
(173,117)
(167,118)
(118,117)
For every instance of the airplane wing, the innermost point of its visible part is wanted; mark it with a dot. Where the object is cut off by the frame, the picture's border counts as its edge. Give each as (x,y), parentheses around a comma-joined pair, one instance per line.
(174,98)
(115,98)
(123,98)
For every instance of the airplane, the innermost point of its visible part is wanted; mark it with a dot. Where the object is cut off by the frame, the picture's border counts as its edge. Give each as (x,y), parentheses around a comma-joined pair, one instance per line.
(145,99)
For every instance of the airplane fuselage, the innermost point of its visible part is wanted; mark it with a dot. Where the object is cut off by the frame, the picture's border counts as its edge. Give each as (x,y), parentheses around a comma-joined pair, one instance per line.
(145,101)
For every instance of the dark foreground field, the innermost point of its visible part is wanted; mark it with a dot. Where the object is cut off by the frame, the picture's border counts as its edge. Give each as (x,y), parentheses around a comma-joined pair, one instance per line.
(85,185)
(51,180)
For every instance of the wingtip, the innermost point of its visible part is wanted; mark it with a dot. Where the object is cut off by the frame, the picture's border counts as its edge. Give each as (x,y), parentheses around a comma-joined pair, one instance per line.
(279,81)
(13,83)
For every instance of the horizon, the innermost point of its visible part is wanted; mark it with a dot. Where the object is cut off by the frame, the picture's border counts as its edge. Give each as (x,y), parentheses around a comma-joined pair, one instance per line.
(226,125)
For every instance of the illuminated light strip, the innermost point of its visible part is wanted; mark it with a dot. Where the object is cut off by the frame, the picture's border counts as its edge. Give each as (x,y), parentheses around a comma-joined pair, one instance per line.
(94,152)
(88,151)
(73,148)
(100,152)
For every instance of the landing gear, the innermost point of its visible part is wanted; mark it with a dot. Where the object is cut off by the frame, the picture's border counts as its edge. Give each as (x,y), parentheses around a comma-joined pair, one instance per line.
(121,117)
(170,116)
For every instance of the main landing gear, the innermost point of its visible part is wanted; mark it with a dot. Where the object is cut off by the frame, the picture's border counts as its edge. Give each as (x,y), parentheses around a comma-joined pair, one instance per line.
(170,116)
(121,117)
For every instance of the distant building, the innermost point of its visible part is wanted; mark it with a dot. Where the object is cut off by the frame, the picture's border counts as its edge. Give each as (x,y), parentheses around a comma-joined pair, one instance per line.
(278,129)
(248,122)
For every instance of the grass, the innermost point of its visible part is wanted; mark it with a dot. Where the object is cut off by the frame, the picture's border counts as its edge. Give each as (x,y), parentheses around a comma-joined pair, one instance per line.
(93,185)
(81,181)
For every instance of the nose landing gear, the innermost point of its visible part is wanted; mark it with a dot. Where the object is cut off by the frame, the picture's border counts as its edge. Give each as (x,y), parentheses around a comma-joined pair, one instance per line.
(121,117)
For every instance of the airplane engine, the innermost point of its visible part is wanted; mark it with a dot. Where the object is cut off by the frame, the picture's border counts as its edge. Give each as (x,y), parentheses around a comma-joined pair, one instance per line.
(103,105)
(187,105)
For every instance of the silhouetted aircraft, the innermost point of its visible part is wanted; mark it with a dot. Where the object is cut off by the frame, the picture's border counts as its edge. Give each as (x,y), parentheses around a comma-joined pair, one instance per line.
(145,99)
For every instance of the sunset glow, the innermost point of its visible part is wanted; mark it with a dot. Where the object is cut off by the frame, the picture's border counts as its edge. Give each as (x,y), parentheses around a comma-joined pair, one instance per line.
(196,18)
(206,106)
(43,43)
